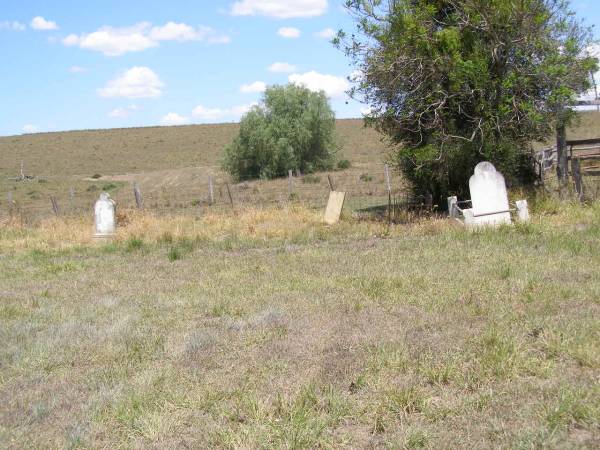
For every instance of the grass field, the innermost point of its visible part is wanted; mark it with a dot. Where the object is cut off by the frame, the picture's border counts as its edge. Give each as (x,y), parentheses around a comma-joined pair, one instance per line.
(260,327)
(270,330)
(172,166)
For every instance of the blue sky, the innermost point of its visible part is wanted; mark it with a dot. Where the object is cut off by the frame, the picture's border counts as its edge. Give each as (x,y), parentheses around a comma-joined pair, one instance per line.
(106,64)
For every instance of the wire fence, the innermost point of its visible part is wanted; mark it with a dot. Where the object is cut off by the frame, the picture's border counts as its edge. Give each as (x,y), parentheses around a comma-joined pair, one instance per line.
(373,192)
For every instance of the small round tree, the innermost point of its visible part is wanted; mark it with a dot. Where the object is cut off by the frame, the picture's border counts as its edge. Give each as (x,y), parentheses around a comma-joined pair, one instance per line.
(292,128)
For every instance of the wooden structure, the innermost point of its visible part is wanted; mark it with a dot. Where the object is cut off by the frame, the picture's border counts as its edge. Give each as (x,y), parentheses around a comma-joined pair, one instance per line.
(583,156)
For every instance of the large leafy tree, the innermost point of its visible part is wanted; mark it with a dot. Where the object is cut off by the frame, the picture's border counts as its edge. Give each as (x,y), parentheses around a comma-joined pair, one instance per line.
(293,128)
(455,82)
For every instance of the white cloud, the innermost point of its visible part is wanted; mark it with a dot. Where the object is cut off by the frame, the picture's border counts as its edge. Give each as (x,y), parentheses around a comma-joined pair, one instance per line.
(281,67)
(30,128)
(327,33)
(257,86)
(41,24)
(122,113)
(289,32)
(333,86)
(174,119)
(240,110)
(366,111)
(172,31)
(137,82)
(77,69)
(12,26)
(117,41)
(119,113)
(280,9)
(204,113)
(114,41)
(182,32)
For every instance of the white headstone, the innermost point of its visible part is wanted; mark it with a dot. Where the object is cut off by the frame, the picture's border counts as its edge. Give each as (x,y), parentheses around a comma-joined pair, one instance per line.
(522,210)
(104,216)
(489,196)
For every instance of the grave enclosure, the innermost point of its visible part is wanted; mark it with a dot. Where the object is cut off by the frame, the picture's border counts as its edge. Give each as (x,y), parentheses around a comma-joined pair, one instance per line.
(489,200)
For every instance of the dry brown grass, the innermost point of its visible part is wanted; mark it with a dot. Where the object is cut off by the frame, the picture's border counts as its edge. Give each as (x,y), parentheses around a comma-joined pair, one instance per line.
(216,333)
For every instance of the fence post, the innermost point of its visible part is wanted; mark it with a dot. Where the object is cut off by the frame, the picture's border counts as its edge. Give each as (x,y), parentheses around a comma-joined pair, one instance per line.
(561,156)
(388,183)
(211,192)
(331,185)
(290,183)
(54,205)
(11,203)
(138,196)
(576,169)
(229,194)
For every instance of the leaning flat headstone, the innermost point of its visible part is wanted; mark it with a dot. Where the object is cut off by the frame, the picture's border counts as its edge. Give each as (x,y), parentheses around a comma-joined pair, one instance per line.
(334,207)
(488,196)
(104,217)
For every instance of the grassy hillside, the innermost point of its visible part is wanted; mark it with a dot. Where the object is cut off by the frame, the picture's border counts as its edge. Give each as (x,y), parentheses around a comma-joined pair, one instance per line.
(133,150)
(270,330)
(172,166)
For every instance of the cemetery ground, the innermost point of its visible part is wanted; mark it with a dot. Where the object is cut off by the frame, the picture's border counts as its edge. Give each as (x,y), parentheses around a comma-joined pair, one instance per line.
(268,329)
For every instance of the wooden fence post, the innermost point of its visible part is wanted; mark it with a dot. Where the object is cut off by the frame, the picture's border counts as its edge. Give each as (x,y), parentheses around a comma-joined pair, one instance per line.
(576,170)
(561,156)
(331,185)
(138,196)
(54,205)
(11,203)
(211,192)
(388,183)
(229,194)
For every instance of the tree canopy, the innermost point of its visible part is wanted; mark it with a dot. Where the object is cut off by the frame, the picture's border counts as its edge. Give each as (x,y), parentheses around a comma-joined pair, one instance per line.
(455,82)
(292,128)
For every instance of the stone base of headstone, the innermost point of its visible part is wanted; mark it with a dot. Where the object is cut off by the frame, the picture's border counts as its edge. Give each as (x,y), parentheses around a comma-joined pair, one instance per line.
(489,220)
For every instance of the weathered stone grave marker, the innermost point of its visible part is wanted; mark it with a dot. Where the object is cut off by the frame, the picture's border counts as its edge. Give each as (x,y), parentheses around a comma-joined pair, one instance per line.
(104,217)
(334,207)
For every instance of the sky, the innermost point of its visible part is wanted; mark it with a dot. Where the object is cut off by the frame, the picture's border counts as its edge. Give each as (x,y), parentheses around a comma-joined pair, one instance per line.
(73,64)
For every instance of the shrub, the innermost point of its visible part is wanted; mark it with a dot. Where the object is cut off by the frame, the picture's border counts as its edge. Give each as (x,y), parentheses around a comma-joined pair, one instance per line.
(174,254)
(311,179)
(365,177)
(134,243)
(293,128)
(343,164)
(109,187)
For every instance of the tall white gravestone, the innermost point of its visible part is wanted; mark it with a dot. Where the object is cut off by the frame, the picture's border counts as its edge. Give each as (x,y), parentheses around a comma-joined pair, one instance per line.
(104,217)
(488,196)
